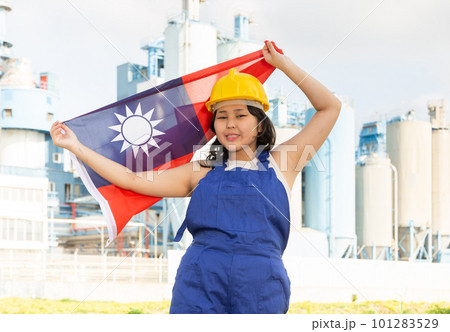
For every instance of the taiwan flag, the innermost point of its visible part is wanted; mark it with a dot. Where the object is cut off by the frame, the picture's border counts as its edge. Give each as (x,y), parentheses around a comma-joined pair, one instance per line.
(156,129)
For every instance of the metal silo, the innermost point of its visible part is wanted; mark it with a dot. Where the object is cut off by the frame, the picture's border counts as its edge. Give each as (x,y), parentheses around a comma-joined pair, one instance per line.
(440,138)
(409,147)
(374,206)
(27,114)
(189,44)
(330,185)
(441,181)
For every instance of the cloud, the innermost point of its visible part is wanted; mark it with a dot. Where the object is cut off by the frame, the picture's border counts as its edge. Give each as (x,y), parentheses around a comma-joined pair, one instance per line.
(398,53)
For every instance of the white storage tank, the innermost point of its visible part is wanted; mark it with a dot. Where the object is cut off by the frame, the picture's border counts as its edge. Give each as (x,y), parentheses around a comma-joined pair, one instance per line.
(409,148)
(189,46)
(441,181)
(23,148)
(374,202)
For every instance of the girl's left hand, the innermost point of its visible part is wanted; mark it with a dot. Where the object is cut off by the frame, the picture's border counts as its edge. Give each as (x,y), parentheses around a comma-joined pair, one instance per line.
(274,58)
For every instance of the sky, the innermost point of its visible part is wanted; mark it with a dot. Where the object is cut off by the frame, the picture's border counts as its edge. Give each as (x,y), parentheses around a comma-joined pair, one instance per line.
(386,56)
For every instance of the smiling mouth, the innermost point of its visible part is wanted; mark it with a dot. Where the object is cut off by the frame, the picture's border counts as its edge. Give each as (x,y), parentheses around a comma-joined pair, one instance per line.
(231,137)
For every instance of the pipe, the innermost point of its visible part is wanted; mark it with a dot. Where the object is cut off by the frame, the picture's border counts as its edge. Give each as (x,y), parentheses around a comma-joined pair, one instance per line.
(187,47)
(330,209)
(74,210)
(103,241)
(430,247)
(394,169)
(411,238)
(140,241)
(438,246)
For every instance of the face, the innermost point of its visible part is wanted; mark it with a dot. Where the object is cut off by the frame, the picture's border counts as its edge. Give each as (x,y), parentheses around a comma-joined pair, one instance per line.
(236,129)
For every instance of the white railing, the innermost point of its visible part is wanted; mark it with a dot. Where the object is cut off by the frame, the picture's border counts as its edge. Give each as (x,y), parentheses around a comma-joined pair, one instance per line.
(76,267)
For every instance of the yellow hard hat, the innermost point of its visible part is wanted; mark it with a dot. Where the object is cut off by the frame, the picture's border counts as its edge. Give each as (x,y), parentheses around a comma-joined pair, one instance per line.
(240,86)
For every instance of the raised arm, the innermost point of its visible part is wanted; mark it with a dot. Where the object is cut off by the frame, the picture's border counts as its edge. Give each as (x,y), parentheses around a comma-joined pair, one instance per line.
(319,127)
(174,182)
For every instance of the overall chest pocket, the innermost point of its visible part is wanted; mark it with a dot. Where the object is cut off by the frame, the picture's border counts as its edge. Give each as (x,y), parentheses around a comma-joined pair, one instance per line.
(241,208)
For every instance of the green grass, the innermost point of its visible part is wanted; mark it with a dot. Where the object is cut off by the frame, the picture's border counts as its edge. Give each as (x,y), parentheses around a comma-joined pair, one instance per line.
(66,306)
(370,307)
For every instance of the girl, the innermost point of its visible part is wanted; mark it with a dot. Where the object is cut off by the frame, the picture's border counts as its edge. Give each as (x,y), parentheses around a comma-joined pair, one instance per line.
(238,214)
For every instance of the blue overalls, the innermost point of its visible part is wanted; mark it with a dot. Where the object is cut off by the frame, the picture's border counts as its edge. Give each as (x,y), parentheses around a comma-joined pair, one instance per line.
(239,220)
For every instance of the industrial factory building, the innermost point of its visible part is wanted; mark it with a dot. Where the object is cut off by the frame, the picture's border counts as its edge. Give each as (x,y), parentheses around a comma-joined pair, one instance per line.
(371,213)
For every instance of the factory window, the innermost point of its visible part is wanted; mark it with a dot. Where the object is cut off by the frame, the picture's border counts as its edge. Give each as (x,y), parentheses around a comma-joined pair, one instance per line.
(28,195)
(7,113)
(68,191)
(20,230)
(76,190)
(51,186)
(57,158)
(49,116)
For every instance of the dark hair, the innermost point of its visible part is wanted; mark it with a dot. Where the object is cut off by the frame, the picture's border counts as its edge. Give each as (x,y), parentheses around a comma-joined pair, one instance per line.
(265,138)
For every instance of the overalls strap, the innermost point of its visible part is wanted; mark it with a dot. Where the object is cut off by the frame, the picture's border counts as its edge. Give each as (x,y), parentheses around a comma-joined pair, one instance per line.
(220,167)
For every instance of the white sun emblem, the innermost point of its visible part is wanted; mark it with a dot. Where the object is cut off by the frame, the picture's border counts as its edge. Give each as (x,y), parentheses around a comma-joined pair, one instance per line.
(136,130)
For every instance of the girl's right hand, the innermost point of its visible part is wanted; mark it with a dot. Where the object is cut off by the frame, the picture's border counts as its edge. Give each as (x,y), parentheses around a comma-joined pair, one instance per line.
(63,136)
